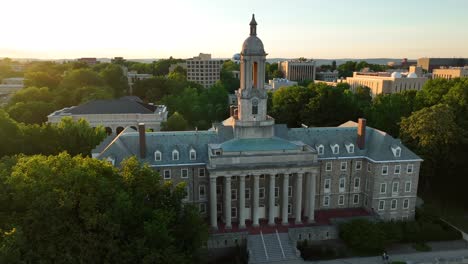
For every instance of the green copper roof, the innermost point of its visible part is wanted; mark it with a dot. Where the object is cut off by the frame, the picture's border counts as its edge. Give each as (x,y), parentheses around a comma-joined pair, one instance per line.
(258,144)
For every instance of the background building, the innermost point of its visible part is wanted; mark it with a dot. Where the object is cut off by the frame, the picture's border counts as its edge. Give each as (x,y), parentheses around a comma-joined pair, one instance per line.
(430,64)
(89,61)
(328,76)
(450,73)
(204,70)
(277,83)
(115,114)
(8,87)
(296,70)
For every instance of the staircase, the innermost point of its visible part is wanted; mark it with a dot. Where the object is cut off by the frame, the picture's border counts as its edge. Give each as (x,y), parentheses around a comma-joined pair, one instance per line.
(268,248)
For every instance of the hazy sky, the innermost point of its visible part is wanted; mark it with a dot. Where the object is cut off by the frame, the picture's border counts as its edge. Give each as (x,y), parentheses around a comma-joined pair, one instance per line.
(184,28)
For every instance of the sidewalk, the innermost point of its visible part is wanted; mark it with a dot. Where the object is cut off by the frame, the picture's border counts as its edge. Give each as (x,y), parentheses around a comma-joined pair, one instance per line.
(420,257)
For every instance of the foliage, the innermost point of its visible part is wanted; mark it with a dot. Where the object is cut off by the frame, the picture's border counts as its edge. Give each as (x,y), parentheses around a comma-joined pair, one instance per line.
(319,251)
(176,122)
(422,247)
(64,209)
(363,236)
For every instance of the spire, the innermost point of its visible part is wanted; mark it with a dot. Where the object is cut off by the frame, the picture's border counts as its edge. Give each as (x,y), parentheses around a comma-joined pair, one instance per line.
(253,26)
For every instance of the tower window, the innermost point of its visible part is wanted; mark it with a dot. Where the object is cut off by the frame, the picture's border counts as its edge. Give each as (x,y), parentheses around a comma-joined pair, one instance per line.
(254,107)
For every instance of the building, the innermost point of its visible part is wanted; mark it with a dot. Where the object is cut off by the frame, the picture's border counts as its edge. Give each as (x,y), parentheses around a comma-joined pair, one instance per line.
(179,64)
(277,83)
(430,64)
(8,87)
(296,70)
(133,77)
(328,76)
(248,172)
(89,61)
(115,114)
(450,73)
(385,82)
(204,70)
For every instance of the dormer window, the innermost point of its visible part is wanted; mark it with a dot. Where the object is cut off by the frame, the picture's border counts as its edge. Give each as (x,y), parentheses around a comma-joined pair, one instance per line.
(175,155)
(335,149)
(111,160)
(254,107)
(396,151)
(157,155)
(350,148)
(193,154)
(320,149)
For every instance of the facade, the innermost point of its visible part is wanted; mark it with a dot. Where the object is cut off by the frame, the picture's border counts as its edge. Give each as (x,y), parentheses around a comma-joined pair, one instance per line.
(429,64)
(277,83)
(89,61)
(179,64)
(450,73)
(204,70)
(115,114)
(328,76)
(386,83)
(8,87)
(296,70)
(249,171)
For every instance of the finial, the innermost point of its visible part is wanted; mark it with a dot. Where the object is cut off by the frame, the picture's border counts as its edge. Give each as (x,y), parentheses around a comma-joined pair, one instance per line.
(253,26)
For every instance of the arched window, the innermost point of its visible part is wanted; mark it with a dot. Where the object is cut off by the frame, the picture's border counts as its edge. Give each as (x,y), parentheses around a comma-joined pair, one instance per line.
(193,154)
(254,107)
(175,155)
(157,155)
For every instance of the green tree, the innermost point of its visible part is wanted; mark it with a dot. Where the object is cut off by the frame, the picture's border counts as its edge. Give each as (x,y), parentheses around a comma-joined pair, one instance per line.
(363,236)
(42,79)
(79,78)
(176,122)
(34,112)
(114,77)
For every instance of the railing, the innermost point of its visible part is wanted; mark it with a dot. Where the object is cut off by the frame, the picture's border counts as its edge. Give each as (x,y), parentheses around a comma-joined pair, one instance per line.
(264,247)
(280,244)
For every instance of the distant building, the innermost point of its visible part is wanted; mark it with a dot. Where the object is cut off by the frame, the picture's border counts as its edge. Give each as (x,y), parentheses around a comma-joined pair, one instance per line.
(296,70)
(450,73)
(277,83)
(386,83)
(115,114)
(89,61)
(179,64)
(133,77)
(430,64)
(328,76)
(236,74)
(204,70)
(8,87)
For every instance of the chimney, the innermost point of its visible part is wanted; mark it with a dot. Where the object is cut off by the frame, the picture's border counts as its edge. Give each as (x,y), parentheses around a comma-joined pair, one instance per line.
(361,133)
(142,137)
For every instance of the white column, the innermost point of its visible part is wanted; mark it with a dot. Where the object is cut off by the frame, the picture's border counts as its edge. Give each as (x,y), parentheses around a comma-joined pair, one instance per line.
(213,209)
(241,210)
(271,200)
(255,201)
(312,178)
(298,198)
(306,195)
(284,206)
(227,201)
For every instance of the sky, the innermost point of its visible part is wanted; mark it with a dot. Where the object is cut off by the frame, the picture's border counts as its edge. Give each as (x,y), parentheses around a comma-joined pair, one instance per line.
(58,29)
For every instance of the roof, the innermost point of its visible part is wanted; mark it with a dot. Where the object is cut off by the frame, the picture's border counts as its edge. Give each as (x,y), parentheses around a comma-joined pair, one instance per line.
(124,105)
(258,144)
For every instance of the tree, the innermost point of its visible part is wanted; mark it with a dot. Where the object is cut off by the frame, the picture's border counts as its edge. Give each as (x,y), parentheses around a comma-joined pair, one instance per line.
(176,122)
(34,112)
(10,134)
(363,236)
(114,77)
(80,78)
(42,79)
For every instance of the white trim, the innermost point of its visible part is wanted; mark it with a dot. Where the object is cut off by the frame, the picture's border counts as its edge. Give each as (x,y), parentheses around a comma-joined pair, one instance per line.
(259,192)
(356,165)
(178,165)
(326,166)
(395,168)
(190,154)
(345,167)
(386,170)
(233,194)
(325,189)
(383,207)
(182,173)
(326,198)
(356,202)
(396,204)
(342,202)
(380,189)
(164,174)
(204,190)
(374,161)
(412,168)
(393,197)
(410,183)
(406,207)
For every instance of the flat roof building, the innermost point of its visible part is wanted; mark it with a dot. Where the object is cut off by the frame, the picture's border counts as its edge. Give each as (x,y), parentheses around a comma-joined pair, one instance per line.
(327,76)
(297,70)
(204,70)
(429,64)
(450,73)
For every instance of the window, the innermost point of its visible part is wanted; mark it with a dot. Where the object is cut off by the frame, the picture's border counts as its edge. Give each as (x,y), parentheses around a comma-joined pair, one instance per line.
(175,155)
(202,191)
(398,152)
(328,166)
(219,190)
(383,188)
(405,203)
(289,209)
(234,212)
(254,107)
(384,170)
(202,208)
(326,200)
(395,186)
(393,205)
(357,183)
(397,169)
(233,194)
(157,155)
(358,165)
(351,148)
(201,172)
(193,154)
(342,184)
(368,167)
(381,205)
(276,192)
(409,169)
(341,200)
(184,173)
(320,149)
(335,149)
(327,185)
(167,174)
(262,177)
(344,165)
(290,191)
(356,199)
(408,186)
(261,193)
(247,193)
(111,160)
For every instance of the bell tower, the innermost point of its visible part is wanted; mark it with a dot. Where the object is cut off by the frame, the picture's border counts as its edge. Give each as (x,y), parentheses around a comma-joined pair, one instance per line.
(251,119)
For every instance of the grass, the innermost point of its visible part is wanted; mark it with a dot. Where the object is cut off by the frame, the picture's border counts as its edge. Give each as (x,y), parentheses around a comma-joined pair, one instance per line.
(454,214)
(422,247)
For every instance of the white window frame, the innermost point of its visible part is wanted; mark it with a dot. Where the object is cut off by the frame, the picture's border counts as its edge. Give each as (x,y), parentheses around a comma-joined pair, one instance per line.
(356,201)
(408,183)
(325,183)
(182,173)
(408,170)
(169,174)
(397,184)
(335,149)
(326,200)
(342,181)
(194,153)
(201,172)
(341,200)
(384,185)
(381,205)
(328,166)
(175,154)
(345,167)
(247,193)
(233,194)
(261,193)
(358,165)
(406,204)
(358,181)
(200,187)
(351,148)
(157,154)
(397,169)
(384,169)
(394,202)
(320,149)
